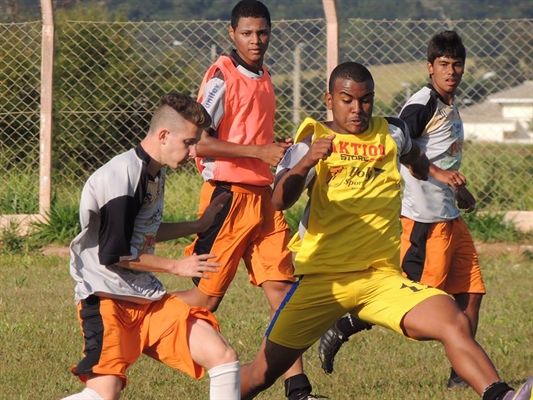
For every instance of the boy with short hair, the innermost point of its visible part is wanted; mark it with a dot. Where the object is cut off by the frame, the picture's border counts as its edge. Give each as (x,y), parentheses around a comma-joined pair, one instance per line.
(235,157)
(123,309)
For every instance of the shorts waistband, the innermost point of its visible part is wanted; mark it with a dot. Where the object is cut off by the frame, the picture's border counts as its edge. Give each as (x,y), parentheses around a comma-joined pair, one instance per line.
(242,187)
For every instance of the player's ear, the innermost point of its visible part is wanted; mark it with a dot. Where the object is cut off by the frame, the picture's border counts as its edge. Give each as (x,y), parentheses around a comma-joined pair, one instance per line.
(430,68)
(162,134)
(328,98)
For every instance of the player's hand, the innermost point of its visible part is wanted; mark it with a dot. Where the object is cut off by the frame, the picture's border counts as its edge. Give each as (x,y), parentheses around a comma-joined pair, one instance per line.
(272,153)
(319,150)
(207,218)
(452,178)
(195,266)
(420,168)
(288,140)
(465,199)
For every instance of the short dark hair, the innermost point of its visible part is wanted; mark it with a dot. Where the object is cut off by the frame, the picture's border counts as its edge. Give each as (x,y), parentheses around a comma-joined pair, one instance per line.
(349,70)
(249,9)
(446,44)
(188,108)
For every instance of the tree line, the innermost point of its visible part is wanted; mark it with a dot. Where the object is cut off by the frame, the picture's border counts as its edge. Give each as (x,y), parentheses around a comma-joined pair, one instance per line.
(189,10)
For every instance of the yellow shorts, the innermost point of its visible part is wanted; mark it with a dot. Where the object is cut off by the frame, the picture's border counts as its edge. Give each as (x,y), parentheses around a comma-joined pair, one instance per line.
(316,301)
(441,255)
(117,332)
(247,228)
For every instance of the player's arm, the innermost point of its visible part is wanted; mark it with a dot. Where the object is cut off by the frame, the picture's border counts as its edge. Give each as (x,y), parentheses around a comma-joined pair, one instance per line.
(291,182)
(174,230)
(191,266)
(211,147)
(452,178)
(417,162)
(417,116)
(409,151)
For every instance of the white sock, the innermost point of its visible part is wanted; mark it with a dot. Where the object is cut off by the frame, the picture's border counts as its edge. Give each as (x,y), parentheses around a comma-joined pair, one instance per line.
(225,382)
(86,394)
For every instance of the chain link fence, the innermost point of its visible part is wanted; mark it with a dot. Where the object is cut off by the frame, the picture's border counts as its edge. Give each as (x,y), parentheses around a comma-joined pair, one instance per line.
(20,62)
(110,75)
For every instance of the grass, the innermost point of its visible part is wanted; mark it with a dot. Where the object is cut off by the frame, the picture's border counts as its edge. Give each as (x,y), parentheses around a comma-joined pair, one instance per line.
(41,340)
(492,227)
(499,175)
(21,195)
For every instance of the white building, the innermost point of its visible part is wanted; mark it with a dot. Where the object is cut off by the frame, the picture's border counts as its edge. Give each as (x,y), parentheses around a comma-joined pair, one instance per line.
(506,116)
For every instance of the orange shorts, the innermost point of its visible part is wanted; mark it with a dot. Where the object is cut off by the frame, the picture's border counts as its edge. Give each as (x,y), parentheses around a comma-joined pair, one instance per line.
(247,228)
(441,255)
(116,332)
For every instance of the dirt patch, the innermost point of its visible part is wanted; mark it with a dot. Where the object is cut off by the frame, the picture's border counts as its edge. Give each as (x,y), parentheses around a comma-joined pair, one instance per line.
(54,250)
(496,249)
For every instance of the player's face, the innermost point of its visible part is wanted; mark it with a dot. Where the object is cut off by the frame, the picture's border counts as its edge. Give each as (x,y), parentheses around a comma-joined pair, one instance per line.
(251,37)
(351,104)
(446,74)
(179,145)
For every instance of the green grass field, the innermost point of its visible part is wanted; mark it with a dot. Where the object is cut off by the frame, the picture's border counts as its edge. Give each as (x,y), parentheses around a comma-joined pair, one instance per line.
(41,340)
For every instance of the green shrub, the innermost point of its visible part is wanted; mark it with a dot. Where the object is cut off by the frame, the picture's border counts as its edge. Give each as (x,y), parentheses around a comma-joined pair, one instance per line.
(491,227)
(61,225)
(13,242)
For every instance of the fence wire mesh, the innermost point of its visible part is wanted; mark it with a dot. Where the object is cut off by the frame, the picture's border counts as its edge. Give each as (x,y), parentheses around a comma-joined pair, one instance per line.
(20,62)
(110,75)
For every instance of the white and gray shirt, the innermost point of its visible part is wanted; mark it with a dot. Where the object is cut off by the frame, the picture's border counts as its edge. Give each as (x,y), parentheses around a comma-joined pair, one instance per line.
(121,208)
(438,129)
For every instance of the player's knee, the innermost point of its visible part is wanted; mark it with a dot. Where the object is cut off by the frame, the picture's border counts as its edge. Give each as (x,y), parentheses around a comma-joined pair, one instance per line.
(107,386)
(228,355)
(212,303)
(458,328)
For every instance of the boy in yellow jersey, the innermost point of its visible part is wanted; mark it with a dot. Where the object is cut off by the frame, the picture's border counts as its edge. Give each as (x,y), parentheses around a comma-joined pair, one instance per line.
(348,247)
(436,247)
(235,157)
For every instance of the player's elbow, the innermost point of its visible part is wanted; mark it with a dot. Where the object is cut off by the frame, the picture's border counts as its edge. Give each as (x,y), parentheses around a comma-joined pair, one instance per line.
(279,204)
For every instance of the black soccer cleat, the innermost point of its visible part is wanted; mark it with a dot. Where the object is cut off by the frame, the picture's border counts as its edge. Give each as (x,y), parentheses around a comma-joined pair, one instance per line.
(456,383)
(298,387)
(305,396)
(329,346)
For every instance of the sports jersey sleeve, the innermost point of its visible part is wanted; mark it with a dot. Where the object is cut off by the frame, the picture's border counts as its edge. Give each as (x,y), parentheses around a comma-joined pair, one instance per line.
(115,194)
(418,111)
(293,155)
(400,133)
(212,98)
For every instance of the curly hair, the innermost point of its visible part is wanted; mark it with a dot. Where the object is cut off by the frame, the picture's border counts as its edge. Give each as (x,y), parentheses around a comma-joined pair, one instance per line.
(349,70)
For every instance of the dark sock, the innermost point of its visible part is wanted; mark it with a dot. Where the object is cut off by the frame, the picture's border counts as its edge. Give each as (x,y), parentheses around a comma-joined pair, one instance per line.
(496,391)
(297,383)
(350,325)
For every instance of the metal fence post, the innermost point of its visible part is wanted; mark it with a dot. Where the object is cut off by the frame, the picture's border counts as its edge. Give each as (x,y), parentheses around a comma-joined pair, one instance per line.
(45,149)
(330,11)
